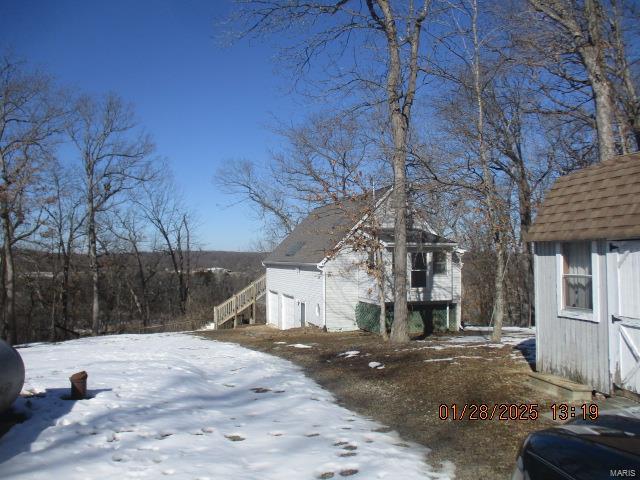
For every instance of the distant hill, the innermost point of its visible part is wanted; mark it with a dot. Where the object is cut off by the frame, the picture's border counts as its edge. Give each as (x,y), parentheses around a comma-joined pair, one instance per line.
(249,263)
(245,262)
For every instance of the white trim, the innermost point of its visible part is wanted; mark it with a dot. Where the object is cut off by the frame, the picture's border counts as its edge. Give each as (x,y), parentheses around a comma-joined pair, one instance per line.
(594,314)
(537,302)
(613,304)
(324,299)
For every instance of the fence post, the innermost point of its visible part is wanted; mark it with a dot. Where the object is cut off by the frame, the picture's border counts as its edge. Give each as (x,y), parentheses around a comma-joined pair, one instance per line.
(235,310)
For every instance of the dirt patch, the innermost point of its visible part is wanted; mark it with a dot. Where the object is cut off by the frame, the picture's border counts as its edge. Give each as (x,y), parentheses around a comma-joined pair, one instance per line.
(416,379)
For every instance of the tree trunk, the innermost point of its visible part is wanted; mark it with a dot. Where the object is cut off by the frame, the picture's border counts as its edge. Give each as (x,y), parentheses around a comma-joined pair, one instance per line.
(604,108)
(4,326)
(526,218)
(143,285)
(498,305)
(9,280)
(399,328)
(593,55)
(381,294)
(400,115)
(64,294)
(187,263)
(181,293)
(629,114)
(94,269)
(591,48)
(489,189)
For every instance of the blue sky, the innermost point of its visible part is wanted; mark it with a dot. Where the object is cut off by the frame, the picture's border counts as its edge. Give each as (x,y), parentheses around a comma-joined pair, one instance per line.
(204,103)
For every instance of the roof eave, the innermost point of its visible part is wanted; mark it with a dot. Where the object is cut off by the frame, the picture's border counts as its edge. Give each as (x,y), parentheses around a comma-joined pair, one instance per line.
(267,263)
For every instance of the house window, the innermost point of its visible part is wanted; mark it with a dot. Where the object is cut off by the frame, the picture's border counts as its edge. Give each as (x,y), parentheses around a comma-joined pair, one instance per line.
(439,263)
(418,270)
(577,276)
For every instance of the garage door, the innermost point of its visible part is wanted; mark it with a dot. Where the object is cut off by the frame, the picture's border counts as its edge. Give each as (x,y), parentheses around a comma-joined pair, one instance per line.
(288,312)
(272,305)
(625,317)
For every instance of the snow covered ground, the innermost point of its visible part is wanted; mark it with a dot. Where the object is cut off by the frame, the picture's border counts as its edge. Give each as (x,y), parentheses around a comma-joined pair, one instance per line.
(183,407)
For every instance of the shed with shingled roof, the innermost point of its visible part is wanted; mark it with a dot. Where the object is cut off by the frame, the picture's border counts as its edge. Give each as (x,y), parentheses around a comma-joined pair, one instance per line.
(586,240)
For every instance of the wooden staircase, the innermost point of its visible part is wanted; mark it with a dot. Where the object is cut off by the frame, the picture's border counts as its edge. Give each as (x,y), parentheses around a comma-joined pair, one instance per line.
(231,308)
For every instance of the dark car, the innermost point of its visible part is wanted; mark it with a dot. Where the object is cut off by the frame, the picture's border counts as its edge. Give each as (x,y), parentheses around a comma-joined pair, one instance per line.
(582,450)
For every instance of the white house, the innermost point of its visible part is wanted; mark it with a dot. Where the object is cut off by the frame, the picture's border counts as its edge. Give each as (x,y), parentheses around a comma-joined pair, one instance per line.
(316,276)
(587,276)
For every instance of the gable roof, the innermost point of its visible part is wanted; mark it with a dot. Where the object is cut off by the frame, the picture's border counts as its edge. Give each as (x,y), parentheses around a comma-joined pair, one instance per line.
(319,233)
(597,202)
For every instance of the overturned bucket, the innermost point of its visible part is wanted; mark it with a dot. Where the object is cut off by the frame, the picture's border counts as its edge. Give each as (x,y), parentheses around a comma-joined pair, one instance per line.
(79,385)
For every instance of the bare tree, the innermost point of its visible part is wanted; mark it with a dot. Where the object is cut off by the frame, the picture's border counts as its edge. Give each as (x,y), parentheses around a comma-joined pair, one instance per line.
(130,227)
(466,144)
(521,152)
(114,157)
(244,180)
(64,224)
(163,209)
(573,33)
(326,157)
(623,20)
(29,121)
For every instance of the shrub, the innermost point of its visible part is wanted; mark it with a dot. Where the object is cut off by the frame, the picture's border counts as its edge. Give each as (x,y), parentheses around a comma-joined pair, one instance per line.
(368,318)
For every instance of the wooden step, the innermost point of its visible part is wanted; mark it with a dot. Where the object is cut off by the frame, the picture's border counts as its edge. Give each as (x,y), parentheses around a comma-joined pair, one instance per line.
(560,387)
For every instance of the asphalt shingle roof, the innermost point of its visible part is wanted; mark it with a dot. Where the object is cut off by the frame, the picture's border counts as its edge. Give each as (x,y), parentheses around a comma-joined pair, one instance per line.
(319,233)
(597,202)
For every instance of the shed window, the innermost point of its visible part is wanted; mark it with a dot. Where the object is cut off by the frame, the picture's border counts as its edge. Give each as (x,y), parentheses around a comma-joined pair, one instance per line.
(418,270)
(439,263)
(576,275)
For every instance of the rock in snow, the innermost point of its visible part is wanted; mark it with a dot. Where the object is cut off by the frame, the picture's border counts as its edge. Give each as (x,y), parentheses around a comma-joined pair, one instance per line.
(183,407)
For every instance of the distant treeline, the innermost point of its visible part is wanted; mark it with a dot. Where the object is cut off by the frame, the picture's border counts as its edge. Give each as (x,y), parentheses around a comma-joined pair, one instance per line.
(125,306)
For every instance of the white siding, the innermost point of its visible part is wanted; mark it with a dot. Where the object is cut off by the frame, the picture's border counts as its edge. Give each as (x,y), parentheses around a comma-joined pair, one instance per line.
(304,285)
(342,273)
(456,271)
(569,347)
